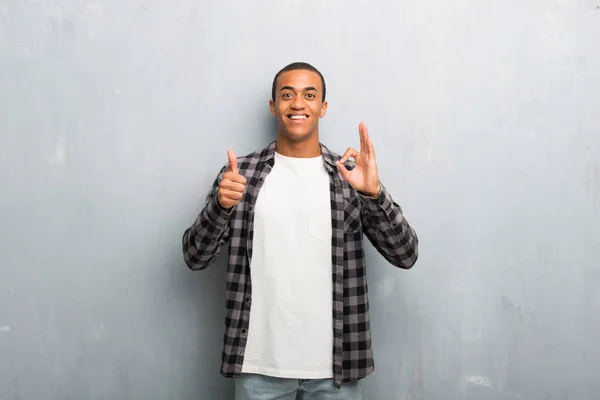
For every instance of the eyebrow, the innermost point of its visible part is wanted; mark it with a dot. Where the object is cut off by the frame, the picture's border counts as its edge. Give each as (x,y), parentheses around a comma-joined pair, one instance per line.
(306,89)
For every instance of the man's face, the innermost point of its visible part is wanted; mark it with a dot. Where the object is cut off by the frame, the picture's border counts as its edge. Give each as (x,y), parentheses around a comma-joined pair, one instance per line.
(298,104)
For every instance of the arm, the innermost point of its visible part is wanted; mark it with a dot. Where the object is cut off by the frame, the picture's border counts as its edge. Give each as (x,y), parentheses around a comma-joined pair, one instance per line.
(203,240)
(382,219)
(388,230)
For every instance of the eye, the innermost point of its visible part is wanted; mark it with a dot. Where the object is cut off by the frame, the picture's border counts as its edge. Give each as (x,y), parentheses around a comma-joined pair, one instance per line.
(286,95)
(310,95)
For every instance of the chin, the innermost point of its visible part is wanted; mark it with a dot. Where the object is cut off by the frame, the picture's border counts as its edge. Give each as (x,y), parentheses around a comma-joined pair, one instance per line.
(298,134)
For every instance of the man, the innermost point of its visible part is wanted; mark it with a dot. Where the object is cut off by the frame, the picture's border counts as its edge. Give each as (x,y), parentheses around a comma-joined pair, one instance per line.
(293,215)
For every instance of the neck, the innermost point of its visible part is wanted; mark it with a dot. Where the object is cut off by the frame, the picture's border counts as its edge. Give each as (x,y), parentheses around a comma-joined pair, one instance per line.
(308,148)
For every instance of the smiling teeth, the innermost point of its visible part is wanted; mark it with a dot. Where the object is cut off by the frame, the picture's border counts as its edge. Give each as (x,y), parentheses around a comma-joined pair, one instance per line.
(298,117)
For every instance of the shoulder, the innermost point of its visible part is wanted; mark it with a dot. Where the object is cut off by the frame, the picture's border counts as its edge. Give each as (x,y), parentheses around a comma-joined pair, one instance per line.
(249,162)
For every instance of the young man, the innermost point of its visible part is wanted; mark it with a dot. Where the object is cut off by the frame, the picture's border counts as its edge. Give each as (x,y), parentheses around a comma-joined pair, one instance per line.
(294,215)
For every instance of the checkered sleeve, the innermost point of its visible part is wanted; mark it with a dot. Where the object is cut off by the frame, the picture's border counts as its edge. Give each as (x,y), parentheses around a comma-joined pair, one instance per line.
(203,240)
(387,229)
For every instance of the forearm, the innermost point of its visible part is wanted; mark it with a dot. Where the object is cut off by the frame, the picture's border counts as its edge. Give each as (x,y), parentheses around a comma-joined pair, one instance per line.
(201,242)
(388,230)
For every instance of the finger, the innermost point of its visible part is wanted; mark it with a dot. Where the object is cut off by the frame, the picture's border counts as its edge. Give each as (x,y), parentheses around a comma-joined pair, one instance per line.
(343,171)
(235,177)
(239,179)
(361,133)
(233,186)
(365,138)
(232,161)
(370,147)
(230,194)
(349,153)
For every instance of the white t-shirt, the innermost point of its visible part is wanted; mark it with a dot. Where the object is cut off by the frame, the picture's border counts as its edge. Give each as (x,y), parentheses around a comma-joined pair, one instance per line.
(291,322)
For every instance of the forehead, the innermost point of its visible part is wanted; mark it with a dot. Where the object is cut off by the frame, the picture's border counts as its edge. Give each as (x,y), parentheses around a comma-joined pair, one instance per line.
(299,78)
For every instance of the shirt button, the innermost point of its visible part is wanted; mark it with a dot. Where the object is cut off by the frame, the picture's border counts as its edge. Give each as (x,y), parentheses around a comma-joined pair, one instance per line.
(247,299)
(244,331)
(240,353)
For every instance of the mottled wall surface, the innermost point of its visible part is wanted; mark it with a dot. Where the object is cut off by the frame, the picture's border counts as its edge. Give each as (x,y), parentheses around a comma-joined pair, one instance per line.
(116,116)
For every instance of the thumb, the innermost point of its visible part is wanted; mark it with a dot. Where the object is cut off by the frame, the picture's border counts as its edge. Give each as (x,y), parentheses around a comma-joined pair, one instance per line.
(343,171)
(232,161)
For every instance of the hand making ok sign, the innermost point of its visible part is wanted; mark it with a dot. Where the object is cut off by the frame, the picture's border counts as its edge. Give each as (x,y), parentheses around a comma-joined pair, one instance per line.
(364,177)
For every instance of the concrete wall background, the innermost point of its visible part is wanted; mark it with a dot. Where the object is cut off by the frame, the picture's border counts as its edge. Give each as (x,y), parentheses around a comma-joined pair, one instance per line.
(116,116)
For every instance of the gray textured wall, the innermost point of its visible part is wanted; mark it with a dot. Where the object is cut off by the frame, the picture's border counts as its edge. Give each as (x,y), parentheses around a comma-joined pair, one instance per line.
(116,116)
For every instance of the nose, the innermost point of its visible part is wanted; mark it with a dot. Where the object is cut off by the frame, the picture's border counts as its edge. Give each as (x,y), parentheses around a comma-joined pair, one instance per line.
(297,103)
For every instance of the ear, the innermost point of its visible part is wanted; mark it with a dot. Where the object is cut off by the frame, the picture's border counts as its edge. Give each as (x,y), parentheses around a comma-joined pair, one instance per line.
(323,109)
(272,107)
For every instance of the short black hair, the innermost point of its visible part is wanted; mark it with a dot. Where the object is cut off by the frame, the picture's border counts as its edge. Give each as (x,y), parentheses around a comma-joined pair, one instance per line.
(296,66)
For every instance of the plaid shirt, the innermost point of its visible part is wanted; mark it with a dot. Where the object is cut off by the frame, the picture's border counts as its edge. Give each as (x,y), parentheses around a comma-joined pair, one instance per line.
(352,215)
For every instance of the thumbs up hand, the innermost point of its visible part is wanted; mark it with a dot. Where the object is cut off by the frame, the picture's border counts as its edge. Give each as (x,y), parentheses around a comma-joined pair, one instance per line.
(232,186)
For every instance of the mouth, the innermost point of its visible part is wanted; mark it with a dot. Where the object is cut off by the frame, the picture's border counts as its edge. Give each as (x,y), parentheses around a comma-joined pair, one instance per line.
(297,118)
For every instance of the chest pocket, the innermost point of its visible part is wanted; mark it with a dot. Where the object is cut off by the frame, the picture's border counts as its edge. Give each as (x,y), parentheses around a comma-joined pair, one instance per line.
(352,221)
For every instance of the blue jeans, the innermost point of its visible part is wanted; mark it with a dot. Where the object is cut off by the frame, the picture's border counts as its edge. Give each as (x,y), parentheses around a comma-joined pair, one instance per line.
(260,387)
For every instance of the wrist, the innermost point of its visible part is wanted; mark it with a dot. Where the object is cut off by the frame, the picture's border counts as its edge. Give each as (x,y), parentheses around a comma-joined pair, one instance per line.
(222,207)
(375,194)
